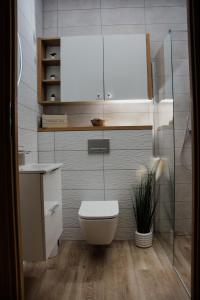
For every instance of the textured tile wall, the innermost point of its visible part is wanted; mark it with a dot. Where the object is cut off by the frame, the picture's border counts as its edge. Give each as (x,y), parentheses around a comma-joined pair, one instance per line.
(97,177)
(67,17)
(164,143)
(30,24)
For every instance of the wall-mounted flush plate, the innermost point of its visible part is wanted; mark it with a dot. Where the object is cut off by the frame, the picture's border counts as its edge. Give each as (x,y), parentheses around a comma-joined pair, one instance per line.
(99,146)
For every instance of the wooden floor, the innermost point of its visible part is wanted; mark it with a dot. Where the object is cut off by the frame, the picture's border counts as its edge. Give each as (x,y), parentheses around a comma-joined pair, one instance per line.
(118,272)
(182,258)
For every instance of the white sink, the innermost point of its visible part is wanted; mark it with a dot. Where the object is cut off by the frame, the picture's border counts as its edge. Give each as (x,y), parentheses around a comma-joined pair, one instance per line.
(39,168)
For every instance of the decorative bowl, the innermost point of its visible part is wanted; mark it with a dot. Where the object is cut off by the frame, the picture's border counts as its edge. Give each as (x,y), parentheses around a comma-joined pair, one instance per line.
(98,122)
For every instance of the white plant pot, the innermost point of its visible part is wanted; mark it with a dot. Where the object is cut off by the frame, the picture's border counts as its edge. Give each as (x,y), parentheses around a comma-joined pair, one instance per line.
(144,240)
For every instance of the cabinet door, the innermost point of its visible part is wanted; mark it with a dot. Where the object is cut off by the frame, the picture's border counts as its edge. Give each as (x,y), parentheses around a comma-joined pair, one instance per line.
(52,197)
(81,68)
(125,67)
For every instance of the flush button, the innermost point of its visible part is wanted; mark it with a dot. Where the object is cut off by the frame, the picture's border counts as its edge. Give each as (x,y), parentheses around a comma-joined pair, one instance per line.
(99,146)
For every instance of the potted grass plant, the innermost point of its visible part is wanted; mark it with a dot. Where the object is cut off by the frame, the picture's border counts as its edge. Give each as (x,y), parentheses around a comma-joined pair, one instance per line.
(145,202)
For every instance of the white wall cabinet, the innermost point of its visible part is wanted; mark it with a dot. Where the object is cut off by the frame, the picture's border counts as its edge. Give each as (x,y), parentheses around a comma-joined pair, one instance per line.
(41,213)
(125,67)
(81,68)
(113,67)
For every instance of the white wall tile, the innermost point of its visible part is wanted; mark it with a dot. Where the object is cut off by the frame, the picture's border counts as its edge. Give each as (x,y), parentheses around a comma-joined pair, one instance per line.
(70,218)
(183,157)
(126,159)
(27,118)
(123,29)
(78,4)
(180,121)
(85,180)
(27,139)
(127,107)
(79,18)
(122,16)
(129,139)
(183,191)
(181,67)
(79,30)
(126,218)
(183,210)
(46,157)
(159,31)
(179,138)
(50,19)
(73,198)
(50,5)
(49,32)
(182,102)
(82,120)
(165,15)
(176,3)
(125,119)
(183,175)
(46,141)
(180,35)
(27,96)
(119,179)
(79,160)
(29,76)
(124,197)
(121,3)
(164,225)
(183,226)
(181,84)
(180,50)
(29,26)
(28,10)
(75,140)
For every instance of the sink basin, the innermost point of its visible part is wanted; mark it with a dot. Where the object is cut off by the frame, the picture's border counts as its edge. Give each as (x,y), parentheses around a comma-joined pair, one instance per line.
(39,168)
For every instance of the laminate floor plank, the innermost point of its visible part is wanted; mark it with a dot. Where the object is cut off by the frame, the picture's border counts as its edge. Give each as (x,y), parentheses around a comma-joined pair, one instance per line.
(120,271)
(182,258)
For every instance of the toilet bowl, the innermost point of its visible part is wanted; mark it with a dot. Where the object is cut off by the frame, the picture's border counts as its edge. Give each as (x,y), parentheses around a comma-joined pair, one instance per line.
(98,221)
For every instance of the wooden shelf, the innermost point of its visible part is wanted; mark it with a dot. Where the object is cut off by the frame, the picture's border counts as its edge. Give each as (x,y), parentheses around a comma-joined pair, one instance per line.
(45,83)
(59,102)
(51,82)
(97,128)
(51,62)
(52,41)
(46,102)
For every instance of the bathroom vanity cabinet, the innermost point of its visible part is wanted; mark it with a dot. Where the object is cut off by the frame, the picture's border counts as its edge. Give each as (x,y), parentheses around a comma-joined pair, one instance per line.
(41,213)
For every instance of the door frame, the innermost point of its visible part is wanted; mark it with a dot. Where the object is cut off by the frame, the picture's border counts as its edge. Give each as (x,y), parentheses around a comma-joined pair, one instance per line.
(11,274)
(194,50)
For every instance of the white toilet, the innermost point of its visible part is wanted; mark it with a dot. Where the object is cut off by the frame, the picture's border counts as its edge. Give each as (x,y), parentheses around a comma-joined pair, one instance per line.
(98,221)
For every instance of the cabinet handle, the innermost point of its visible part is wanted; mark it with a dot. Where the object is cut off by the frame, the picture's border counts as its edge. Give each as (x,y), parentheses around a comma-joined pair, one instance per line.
(53,209)
(109,96)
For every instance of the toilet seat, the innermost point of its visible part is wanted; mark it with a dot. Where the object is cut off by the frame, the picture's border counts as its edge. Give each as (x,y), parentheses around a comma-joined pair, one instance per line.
(98,210)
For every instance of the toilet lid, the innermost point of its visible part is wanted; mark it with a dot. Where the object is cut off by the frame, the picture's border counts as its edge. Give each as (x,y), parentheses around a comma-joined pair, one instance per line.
(99,209)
